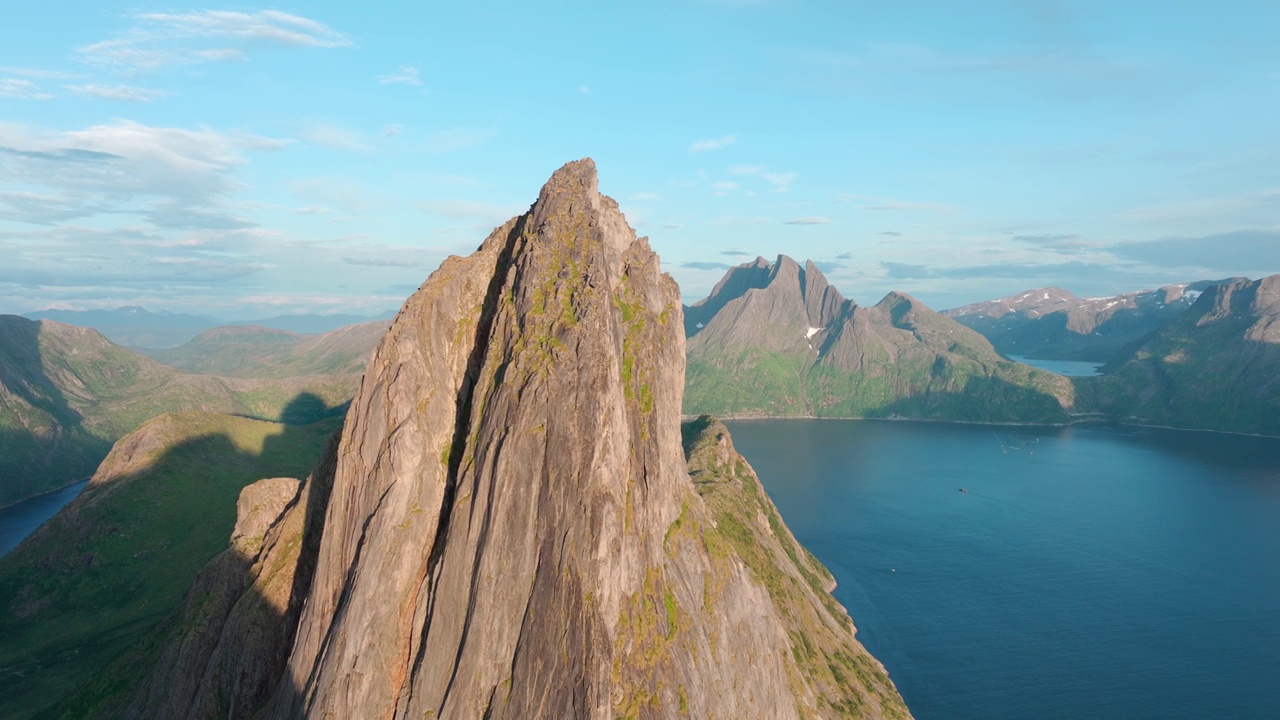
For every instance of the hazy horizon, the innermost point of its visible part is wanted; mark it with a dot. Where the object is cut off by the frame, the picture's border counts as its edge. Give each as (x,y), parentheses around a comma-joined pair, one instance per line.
(253,161)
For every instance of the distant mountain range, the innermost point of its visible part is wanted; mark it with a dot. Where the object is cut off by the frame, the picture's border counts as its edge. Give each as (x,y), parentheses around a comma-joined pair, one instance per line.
(778,339)
(251,351)
(141,328)
(1052,324)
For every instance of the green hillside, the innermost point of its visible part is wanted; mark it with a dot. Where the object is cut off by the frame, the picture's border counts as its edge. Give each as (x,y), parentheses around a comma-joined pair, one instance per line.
(257,352)
(119,558)
(67,393)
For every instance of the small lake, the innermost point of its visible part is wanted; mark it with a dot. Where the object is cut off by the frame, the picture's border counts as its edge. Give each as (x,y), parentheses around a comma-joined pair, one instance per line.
(1068,368)
(21,519)
(1086,572)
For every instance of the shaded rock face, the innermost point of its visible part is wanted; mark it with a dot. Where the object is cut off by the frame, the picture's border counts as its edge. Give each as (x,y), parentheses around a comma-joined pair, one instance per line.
(512,531)
(780,340)
(1217,366)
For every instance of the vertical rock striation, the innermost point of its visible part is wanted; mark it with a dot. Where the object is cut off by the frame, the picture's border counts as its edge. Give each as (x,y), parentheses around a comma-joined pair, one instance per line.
(512,531)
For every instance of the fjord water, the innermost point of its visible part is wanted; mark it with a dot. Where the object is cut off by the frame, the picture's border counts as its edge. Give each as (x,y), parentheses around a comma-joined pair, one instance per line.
(19,520)
(1066,368)
(1085,572)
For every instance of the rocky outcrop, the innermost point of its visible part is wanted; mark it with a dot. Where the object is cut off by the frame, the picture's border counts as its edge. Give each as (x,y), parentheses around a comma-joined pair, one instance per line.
(513,531)
(780,340)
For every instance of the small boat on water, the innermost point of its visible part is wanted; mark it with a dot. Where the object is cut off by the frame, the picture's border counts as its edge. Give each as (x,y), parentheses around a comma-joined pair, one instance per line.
(964,490)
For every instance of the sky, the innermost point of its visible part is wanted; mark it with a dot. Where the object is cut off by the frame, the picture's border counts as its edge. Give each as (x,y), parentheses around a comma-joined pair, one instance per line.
(252,160)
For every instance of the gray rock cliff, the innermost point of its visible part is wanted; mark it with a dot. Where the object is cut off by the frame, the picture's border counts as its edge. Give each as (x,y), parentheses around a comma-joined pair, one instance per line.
(513,530)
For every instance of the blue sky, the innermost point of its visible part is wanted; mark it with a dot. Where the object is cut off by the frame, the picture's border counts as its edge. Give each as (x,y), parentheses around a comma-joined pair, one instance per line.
(243,160)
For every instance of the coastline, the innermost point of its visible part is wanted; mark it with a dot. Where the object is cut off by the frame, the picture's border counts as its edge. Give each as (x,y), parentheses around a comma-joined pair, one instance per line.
(1082,421)
(46,492)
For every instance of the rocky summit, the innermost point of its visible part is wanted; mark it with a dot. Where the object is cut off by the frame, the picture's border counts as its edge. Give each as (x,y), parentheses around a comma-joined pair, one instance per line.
(514,526)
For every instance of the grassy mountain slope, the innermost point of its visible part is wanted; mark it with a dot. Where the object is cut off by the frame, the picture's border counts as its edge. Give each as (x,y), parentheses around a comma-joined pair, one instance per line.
(1216,367)
(67,393)
(770,351)
(116,560)
(248,351)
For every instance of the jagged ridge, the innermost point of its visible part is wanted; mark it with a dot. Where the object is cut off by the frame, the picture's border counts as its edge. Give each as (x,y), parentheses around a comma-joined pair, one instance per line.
(778,340)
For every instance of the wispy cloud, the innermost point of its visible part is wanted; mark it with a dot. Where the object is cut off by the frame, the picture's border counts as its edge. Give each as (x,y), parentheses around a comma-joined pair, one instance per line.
(724,186)
(1058,242)
(870,202)
(37,73)
(313,210)
(334,138)
(481,213)
(713,144)
(781,181)
(127,167)
(815,220)
(646,197)
(584,89)
(405,75)
(160,40)
(1256,251)
(392,129)
(125,93)
(22,89)
(705,265)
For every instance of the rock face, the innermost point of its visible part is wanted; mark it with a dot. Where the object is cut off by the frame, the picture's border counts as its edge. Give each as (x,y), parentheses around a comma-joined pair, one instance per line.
(1053,324)
(513,531)
(1217,366)
(778,339)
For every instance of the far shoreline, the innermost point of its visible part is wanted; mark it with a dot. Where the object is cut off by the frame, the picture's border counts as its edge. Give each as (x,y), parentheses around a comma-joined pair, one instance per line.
(1110,422)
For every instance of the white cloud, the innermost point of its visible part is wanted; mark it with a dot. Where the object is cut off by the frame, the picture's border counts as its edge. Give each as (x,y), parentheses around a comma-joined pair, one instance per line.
(584,89)
(484,214)
(713,144)
(37,73)
(405,75)
(817,220)
(874,203)
(334,137)
(781,181)
(160,40)
(127,167)
(724,186)
(336,191)
(392,129)
(125,93)
(22,89)
(746,170)
(313,210)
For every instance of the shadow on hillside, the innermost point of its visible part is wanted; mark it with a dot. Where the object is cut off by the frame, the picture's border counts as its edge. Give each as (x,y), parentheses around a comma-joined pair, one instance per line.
(114,608)
(980,400)
(36,460)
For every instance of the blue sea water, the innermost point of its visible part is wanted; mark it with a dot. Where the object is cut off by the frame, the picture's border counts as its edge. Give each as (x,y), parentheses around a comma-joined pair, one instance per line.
(19,520)
(1068,368)
(1086,572)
